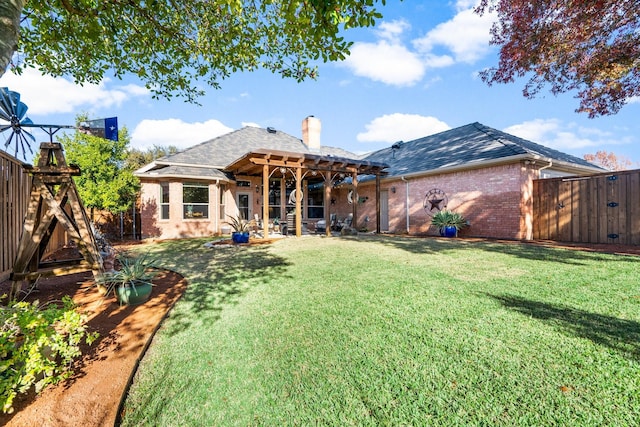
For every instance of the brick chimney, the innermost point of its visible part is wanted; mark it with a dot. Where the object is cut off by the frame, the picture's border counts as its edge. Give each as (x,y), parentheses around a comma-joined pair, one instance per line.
(311,133)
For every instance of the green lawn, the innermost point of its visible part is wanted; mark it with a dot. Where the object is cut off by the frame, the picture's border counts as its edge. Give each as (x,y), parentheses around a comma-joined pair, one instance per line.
(394,331)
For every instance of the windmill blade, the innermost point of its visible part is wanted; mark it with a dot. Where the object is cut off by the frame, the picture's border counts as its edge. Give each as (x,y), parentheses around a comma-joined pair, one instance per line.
(5,104)
(33,138)
(21,110)
(9,141)
(23,140)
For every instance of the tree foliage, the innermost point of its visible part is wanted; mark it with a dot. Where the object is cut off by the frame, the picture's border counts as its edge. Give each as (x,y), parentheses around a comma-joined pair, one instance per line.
(608,161)
(592,47)
(105,182)
(37,345)
(137,158)
(172,45)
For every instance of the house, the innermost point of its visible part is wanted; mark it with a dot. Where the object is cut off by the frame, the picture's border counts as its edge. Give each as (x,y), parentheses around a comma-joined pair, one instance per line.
(193,193)
(485,174)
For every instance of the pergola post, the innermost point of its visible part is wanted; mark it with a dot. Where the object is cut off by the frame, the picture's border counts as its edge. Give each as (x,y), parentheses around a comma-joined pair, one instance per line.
(265,201)
(327,202)
(354,200)
(377,203)
(299,196)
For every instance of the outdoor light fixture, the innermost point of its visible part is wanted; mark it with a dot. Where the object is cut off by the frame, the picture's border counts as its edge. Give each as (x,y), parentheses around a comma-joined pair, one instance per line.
(393,190)
(283,170)
(257,188)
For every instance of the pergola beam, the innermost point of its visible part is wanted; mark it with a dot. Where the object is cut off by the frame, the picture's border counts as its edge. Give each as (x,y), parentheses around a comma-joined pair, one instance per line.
(264,163)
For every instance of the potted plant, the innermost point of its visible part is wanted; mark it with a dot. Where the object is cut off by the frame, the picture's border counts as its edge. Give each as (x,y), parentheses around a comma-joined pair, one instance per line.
(449,223)
(131,283)
(240,227)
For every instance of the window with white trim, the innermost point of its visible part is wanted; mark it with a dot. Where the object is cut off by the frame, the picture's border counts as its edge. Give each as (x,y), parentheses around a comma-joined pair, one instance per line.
(164,200)
(223,191)
(195,200)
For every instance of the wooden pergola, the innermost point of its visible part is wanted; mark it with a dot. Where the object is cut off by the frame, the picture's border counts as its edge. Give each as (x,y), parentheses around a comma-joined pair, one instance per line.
(299,166)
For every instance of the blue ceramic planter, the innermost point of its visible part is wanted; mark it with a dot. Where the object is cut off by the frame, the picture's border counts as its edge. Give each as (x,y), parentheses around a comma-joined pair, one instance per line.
(449,231)
(240,237)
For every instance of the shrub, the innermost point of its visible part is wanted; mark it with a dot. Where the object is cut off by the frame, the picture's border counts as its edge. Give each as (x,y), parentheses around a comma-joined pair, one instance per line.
(37,346)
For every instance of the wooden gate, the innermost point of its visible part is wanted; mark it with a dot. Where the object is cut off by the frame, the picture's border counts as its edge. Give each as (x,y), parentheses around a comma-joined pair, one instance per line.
(602,208)
(14,197)
(15,189)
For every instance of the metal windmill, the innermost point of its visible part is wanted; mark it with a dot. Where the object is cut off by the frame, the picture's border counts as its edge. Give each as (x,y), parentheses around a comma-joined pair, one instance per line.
(14,120)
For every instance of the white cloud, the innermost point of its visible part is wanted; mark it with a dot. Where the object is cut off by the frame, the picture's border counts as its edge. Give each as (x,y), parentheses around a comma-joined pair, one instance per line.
(467,36)
(392,30)
(464,38)
(50,95)
(561,136)
(175,132)
(466,4)
(385,61)
(401,127)
(250,124)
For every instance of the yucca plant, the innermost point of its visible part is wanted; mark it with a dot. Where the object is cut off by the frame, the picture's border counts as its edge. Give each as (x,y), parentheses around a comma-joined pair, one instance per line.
(446,218)
(238,224)
(133,275)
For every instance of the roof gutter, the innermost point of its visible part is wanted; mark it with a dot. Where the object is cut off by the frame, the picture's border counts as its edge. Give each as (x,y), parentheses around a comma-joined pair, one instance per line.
(194,177)
(570,167)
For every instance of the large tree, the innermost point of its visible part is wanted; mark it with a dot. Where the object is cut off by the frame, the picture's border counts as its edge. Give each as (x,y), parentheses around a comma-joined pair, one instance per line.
(138,158)
(588,46)
(609,161)
(176,45)
(106,183)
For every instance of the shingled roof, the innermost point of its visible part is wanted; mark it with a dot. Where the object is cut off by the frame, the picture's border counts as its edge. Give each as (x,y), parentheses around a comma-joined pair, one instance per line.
(223,150)
(466,146)
(207,159)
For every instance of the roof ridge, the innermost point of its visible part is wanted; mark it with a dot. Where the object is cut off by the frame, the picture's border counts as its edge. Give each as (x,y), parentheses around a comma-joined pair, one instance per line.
(501,137)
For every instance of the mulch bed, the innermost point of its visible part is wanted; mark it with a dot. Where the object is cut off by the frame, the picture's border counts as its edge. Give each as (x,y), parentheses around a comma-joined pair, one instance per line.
(92,396)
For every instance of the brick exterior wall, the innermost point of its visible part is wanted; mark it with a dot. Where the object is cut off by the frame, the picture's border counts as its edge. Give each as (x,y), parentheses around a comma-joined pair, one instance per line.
(497,202)
(176,226)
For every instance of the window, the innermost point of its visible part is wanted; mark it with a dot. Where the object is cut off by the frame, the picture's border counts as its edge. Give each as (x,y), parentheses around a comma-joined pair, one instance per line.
(315,200)
(195,200)
(223,190)
(274,198)
(164,200)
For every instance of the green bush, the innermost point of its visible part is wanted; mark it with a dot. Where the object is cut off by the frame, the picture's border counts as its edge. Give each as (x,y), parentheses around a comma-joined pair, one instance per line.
(37,346)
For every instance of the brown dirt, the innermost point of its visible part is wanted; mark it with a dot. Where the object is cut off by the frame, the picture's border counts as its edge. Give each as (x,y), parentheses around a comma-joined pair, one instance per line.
(93,395)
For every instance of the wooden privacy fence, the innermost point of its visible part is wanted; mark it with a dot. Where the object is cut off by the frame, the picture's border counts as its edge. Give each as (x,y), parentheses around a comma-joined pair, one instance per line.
(15,191)
(602,208)
(14,196)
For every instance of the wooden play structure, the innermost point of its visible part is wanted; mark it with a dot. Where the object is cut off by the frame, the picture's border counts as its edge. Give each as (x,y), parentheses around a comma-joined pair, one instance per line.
(54,202)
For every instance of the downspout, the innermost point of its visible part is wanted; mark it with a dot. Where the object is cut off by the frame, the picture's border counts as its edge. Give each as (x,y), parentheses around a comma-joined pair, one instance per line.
(406,202)
(545,167)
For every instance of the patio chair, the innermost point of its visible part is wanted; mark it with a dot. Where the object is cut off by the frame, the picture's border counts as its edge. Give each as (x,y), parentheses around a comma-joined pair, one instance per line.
(347,222)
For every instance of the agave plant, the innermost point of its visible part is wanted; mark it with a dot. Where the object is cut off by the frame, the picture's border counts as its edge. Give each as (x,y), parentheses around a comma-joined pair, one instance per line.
(446,218)
(132,272)
(238,224)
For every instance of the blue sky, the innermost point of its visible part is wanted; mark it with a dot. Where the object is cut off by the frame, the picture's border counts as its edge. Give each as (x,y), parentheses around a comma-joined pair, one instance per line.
(412,75)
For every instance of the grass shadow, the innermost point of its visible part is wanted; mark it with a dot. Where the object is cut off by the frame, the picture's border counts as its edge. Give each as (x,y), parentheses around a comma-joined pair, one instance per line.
(620,335)
(520,249)
(217,276)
